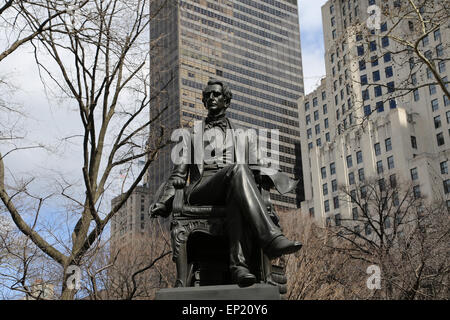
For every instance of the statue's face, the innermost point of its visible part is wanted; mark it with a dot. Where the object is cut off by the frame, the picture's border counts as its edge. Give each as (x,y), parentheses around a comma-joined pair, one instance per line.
(214,100)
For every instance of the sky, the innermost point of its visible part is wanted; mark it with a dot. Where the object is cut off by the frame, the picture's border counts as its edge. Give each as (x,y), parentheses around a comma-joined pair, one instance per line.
(311,37)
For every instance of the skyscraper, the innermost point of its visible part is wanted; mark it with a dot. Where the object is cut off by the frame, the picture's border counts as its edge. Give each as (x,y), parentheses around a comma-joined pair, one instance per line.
(361,123)
(253,46)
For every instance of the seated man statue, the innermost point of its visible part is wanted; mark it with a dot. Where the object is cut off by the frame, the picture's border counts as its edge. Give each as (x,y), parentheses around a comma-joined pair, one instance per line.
(230,184)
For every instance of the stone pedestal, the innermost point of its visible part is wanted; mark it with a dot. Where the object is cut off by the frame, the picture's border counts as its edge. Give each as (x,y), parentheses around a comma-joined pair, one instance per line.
(225,292)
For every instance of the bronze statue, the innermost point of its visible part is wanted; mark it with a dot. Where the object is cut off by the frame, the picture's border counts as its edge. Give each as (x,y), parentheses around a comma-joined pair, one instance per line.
(232,185)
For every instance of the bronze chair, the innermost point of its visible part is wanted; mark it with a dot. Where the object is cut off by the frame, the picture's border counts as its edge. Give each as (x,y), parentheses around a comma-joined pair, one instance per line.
(204,226)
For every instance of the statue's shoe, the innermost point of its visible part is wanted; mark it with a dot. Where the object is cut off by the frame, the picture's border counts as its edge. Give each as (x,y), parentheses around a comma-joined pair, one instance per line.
(243,277)
(280,246)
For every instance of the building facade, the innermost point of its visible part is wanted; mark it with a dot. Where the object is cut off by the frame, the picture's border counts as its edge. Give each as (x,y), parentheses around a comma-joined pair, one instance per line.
(254,47)
(360,124)
(131,220)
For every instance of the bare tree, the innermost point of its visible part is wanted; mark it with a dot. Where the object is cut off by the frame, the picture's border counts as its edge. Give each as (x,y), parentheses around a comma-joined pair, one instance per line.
(99,62)
(395,228)
(135,270)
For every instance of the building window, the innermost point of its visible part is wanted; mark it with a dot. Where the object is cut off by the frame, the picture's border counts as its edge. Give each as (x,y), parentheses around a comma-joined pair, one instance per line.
(325,109)
(362,65)
(325,189)
(377,91)
(381,185)
(326,205)
(310,146)
(327,137)
(413,142)
(444,167)
(316,115)
(308,119)
(392,104)
(319,142)
(306,106)
(361,174)
(311,212)
(434,105)
(389,72)
(440,139)
(365,94)
(437,35)
(439,50)
(387,222)
(377,149)
(325,122)
(367,230)
(360,50)
(432,89)
(337,219)
(367,110)
(323,171)
(309,133)
(384,27)
(334,185)
(387,57)
(375,76)
(363,192)
(390,161)
(364,79)
(437,122)
(355,213)
(391,86)
(416,191)
(332,168)
(349,161)
(388,144)
(414,174)
(317,128)
(351,178)
(359,158)
(336,202)
(441,66)
(385,42)
(393,181)
(380,106)
(416,95)
(380,167)
(447,186)
(373,45)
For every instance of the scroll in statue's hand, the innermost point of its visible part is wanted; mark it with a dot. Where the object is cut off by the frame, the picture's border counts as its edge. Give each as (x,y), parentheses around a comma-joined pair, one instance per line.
(159,209)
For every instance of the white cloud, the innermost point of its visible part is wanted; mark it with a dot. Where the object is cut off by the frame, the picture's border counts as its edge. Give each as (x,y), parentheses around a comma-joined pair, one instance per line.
(310,16)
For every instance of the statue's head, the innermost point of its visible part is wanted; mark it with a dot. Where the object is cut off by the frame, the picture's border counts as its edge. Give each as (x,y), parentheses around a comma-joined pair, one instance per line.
(216,97)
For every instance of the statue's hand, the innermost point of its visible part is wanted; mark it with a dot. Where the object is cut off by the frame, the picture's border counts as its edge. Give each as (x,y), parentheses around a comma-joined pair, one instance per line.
(178,183)
(159,209)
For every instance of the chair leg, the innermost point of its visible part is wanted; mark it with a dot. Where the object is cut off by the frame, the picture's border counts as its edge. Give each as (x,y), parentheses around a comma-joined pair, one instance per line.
(182,267)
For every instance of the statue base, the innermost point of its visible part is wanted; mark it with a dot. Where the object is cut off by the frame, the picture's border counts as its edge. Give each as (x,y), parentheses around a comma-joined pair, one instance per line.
(223,292)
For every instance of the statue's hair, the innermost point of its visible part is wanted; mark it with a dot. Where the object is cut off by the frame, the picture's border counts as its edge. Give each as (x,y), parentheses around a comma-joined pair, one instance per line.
(225,89)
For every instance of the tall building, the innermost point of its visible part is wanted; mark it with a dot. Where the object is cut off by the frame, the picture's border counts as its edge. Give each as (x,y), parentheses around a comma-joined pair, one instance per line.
(254,47)
(356,125)
(131,220)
